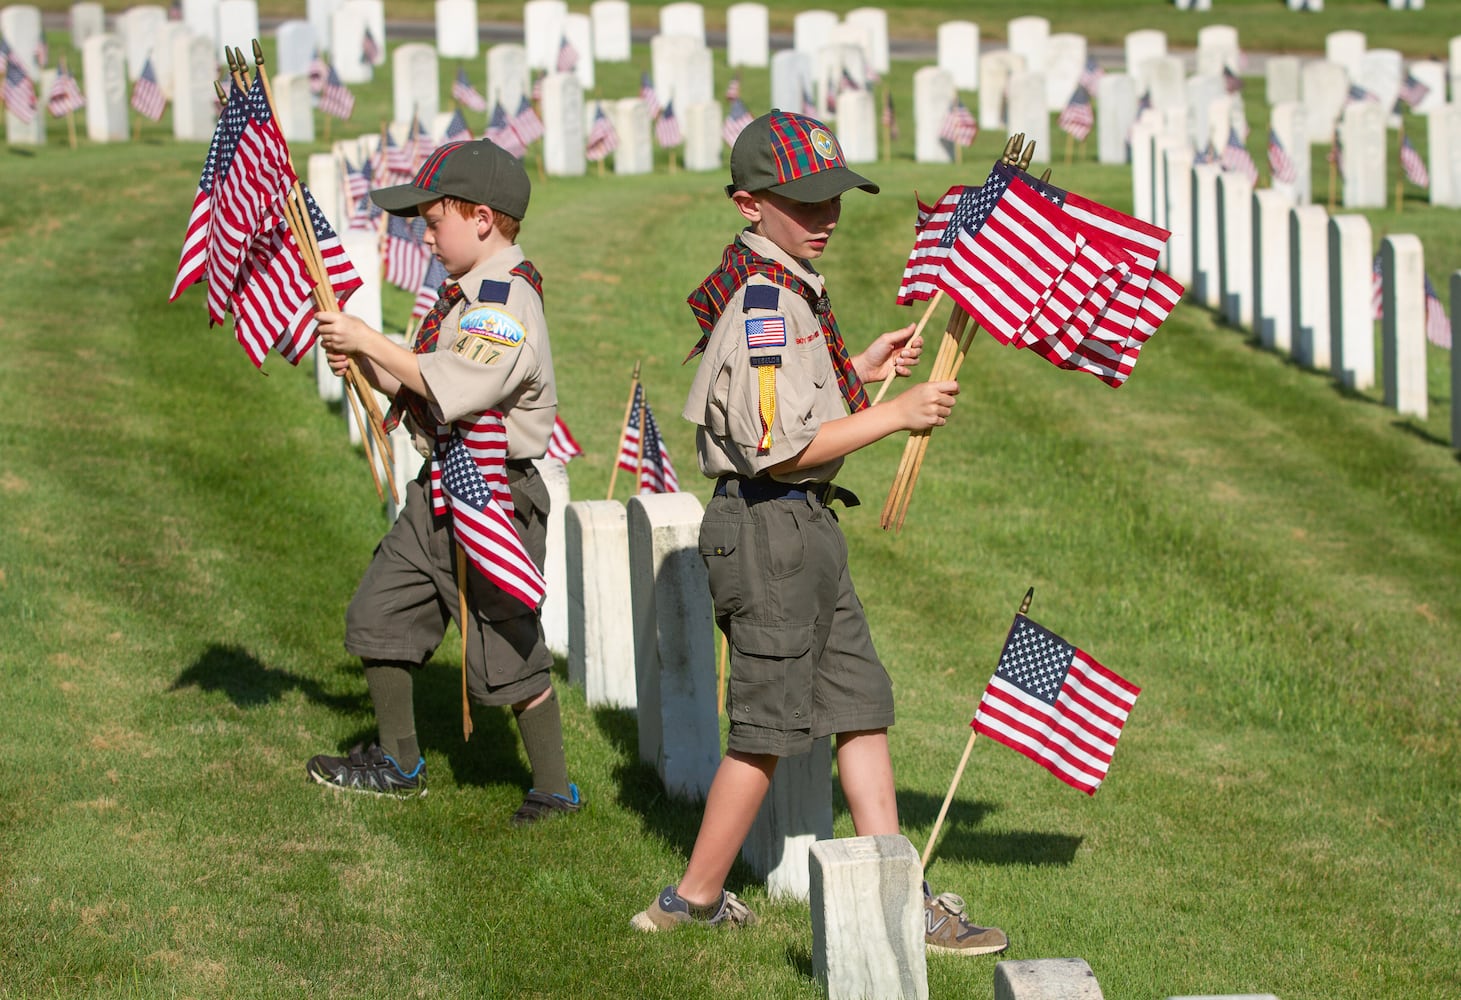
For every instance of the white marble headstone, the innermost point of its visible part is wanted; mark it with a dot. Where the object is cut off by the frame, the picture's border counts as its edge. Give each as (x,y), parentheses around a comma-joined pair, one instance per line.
(1271,316)
(1347,48)
(933,94)
(104,85)
(747,35)
(1309,285)
(1235,249)
(959,56)
(1205,287)
(456,29)
(857,126)
(294,46)
(1432,73)
(1217,48)
(1029,36)
(347,39)
(1351,306)
(579,31)
(293,106)
(195,68)
(872,22)
(1443,136)
(1028,113)
(1141,47)
(563,132)
(1175,178)
(635,152)
(995,72)
(792,78)
(1381,72)
(703,142)
(1402,331)
(683,18)
(415,86)
(238,26)
(1291,126)
(600,634)
(683,71)
(1115,112)
(867,918)
(1362,138)
(543,32)
(138,28)
(1324,91)
(20,25)
(321,16)
(507,76)
(795,814)
(1281,79)
(87,18)
(1065,60)
(612,37)
(1166,81)
(810,30)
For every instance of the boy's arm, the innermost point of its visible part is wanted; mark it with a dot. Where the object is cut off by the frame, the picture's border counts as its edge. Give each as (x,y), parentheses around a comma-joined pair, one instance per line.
(387,365)
(923,406)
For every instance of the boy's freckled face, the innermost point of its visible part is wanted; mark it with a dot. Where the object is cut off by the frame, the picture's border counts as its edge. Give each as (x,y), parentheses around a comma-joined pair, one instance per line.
(802,229)
(450,238)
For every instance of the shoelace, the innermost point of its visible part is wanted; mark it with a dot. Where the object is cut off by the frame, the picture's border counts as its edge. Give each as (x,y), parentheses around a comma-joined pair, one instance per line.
(732,910)
(954,904)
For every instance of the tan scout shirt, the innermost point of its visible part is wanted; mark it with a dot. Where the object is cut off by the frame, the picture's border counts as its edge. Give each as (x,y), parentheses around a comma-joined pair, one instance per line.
(725,398)
(500,361)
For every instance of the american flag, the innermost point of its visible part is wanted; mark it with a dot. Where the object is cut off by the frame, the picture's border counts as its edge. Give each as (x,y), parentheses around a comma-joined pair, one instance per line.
(1358,94)
(421,143)
(628,459)
(1412,164)
(1237,159)
(247,199)
(567,56)
(926,260)
(1413,91)
(648,96)
(667,128)
(456,128)
(809,106)
(369,49)
(220,156)
(20,93)
(465,94)
(430,289)
(481,524)
(1056,705)
(65,96)
(318,72)
(1232,82)
(357,182)
(1280,164)
(959,126)
(500,132)
(602,139)
(1006,248)
(736,119)
(1090,77)
(733,89)
(406,257)
(656,473)
(147,97)
(1077,118)
(398,163)
(335,98)
(890,118)
(561,444)
(4,54)
(1437,323)
(300,329)
(1377,289)
(526,123)
(42,52)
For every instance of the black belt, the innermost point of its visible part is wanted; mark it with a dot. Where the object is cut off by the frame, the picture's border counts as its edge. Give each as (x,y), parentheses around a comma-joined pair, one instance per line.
(762,488)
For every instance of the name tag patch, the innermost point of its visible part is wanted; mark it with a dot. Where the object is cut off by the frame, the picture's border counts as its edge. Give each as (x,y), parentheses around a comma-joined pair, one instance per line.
(769,331)
(494,325)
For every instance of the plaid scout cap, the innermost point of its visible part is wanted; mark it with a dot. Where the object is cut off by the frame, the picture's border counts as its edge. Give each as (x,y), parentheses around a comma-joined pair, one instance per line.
(478,171)
(794,156)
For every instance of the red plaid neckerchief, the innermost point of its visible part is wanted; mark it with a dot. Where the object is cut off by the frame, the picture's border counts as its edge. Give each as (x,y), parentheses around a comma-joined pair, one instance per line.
(409,401)
(737,266)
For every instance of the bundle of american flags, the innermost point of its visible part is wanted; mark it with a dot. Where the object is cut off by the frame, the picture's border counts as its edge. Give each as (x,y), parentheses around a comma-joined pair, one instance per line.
(1045,270)
(239,238)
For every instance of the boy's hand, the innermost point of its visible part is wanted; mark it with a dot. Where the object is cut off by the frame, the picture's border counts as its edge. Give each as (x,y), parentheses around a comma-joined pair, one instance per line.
(926,405)
(342,334)
(894,353)
(339,363)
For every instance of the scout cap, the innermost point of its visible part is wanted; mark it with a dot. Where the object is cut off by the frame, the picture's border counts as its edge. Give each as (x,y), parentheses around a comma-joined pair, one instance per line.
(794,156)
(477,171)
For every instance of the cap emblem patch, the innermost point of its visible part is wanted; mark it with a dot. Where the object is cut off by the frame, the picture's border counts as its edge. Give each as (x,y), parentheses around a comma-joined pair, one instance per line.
(823,144)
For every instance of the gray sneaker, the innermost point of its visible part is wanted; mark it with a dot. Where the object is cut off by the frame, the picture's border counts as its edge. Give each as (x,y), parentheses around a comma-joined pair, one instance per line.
(669,911)
(370,770)
(945,929)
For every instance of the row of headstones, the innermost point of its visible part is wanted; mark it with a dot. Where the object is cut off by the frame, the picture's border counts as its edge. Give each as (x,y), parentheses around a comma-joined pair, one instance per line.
(1303,281)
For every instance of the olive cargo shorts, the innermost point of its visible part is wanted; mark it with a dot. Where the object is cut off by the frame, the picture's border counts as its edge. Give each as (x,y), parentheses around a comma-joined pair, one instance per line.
(802,663)
(409,592)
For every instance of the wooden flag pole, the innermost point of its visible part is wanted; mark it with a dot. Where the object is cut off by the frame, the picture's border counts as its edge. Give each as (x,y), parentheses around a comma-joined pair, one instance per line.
(643,433)
(963,761)
(910,449)
(303,230)
(623,428)
(720,673)
(462,621)
(938,296)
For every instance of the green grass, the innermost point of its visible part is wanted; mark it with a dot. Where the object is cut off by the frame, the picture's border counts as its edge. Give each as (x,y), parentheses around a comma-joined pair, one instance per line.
(1272,560)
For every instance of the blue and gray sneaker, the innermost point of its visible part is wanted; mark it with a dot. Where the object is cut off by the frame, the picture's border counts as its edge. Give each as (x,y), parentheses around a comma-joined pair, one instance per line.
(368,769)
(669,911)
(541,805)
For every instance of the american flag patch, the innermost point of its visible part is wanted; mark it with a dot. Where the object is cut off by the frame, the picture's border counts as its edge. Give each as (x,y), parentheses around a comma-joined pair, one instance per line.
(768,332)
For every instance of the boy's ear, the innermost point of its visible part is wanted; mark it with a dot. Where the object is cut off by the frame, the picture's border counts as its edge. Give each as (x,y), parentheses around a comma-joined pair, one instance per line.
(486,220)
(748,205)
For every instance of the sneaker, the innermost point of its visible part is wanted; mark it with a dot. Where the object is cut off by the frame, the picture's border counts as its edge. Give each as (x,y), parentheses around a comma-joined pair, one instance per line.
(368,769)
(945,929)
(669,911)
(540,805)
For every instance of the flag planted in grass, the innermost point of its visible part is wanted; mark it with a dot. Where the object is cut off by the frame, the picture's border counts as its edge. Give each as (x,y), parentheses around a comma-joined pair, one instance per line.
(147,97)
(1412,164)
(1056,705)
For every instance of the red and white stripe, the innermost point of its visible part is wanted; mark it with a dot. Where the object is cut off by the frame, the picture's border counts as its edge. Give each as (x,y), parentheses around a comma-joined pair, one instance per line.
(927,258)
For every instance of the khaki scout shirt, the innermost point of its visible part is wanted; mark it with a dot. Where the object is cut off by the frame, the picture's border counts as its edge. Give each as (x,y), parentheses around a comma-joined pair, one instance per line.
(501,361)
(725,398)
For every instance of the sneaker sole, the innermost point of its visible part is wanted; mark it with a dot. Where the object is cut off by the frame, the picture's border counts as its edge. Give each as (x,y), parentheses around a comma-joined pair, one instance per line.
(642,921)
(403,794)
(972,950)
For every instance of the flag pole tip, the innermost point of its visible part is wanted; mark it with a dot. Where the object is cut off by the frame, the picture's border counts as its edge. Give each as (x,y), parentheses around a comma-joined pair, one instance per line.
(1025,604)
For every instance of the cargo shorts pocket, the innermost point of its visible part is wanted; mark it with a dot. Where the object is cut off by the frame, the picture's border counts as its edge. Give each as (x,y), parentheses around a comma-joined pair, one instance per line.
(719,541)
(771,674)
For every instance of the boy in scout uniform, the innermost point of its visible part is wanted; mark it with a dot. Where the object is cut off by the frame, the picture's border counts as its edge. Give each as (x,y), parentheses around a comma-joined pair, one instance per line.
(482,351)
(771,401)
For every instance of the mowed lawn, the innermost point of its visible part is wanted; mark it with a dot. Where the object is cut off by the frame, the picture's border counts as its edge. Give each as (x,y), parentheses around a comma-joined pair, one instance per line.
(1274,561)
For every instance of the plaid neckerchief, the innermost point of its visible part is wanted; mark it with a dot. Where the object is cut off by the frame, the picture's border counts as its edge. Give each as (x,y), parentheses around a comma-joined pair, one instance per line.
(737,265)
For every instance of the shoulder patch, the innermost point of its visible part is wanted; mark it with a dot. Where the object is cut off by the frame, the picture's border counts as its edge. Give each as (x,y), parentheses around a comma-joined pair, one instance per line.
(493,324)
(768,331)
(762,296)
(494,292)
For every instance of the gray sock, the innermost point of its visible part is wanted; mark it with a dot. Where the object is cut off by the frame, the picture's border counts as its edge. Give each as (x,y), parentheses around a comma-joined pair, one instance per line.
(541,728)
(395,713)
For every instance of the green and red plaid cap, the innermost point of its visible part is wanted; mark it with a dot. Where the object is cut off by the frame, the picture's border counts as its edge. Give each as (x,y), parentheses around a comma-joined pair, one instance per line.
(794,156)
(478,171)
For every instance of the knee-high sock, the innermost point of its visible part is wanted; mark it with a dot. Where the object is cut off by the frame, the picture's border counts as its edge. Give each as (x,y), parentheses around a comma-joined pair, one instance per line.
(395,712)
(541,728)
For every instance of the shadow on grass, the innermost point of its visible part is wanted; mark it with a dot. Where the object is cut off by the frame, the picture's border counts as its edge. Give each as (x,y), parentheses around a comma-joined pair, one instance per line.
(492,755)
(248,683)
